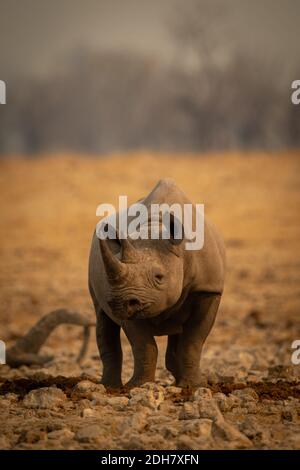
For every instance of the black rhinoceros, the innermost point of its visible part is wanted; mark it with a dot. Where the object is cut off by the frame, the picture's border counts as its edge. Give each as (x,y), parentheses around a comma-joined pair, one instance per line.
(156,287)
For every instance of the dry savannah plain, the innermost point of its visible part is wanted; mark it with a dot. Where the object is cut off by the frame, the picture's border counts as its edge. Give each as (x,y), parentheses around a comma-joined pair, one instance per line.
(251,390)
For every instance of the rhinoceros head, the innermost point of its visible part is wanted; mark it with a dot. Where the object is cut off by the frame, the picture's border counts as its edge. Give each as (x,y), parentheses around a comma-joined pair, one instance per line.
(145,276)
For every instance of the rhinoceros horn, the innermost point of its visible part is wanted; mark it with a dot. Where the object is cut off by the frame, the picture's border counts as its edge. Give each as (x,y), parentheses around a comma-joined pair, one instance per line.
(113,266)
(128,251)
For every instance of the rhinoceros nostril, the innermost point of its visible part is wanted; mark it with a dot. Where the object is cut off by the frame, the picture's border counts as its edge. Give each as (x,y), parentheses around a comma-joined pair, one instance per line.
(133,302)
(132,306)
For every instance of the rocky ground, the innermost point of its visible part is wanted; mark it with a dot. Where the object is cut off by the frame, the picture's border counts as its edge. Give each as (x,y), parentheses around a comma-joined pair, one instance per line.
(244,404)
(251,390)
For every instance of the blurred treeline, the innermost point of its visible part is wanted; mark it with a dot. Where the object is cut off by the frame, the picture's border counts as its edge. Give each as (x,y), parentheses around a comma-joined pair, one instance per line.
(202,99)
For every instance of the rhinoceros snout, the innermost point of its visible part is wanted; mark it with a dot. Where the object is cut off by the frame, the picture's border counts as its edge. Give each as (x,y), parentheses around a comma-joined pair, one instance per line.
(128,308)
(132,306)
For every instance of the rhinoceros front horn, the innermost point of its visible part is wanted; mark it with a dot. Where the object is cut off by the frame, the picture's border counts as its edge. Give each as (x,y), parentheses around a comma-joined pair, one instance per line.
(113,266)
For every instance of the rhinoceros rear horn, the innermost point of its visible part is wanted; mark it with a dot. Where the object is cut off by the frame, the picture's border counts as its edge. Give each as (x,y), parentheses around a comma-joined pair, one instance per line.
(113,266)
(128,251)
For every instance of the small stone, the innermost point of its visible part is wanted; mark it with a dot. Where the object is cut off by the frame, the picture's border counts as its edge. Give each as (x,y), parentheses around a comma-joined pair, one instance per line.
(86,388)
(44,398)
(168,407)
(4,404)
(137,422)
(250,407)
(150,395)
(209,409)
(98,398)
(246,394)
(185,442)
(168,432)
(172,392)
(200,428)
(118,403)
(224,403)
(189,411)
(89,433)
(12,397)
(226,378)
(245,359)
(137,441)
(54,426)
(289,415)
(32,436)
(202,393)
(82,404)
(251,429)
(227,432)
(88,413)
(4,443)
(61,434)
(212,377)
(281,371)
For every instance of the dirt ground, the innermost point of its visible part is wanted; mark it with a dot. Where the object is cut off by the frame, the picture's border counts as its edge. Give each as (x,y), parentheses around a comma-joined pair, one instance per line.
(251,393)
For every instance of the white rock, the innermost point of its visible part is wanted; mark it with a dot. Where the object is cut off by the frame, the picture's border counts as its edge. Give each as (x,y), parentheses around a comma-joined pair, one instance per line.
(151,395)
(45,398)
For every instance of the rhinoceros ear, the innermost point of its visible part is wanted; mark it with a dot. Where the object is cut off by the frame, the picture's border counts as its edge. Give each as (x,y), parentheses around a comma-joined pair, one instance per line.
(176,230)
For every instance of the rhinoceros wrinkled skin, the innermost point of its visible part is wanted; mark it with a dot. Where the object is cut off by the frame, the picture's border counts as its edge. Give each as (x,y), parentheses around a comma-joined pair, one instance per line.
(156,287)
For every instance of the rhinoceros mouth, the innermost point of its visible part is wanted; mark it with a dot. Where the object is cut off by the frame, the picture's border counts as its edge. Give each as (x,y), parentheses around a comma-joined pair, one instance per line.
(130,311)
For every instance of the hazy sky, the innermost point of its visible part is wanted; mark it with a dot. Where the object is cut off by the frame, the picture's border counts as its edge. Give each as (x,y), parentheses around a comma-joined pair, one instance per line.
(35,34)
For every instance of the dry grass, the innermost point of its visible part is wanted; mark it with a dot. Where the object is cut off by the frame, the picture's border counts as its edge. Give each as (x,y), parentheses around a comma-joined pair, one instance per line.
(48,216)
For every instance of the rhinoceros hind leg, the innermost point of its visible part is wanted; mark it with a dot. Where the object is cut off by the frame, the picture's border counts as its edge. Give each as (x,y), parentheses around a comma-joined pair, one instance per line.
(204,308)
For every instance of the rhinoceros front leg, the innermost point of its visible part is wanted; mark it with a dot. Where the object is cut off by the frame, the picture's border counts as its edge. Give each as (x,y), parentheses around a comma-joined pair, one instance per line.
(204,308)
(144,351)
(109,345)
(172,362)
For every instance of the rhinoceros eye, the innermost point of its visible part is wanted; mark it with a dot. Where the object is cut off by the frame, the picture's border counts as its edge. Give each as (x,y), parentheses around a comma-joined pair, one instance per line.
(158,276)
